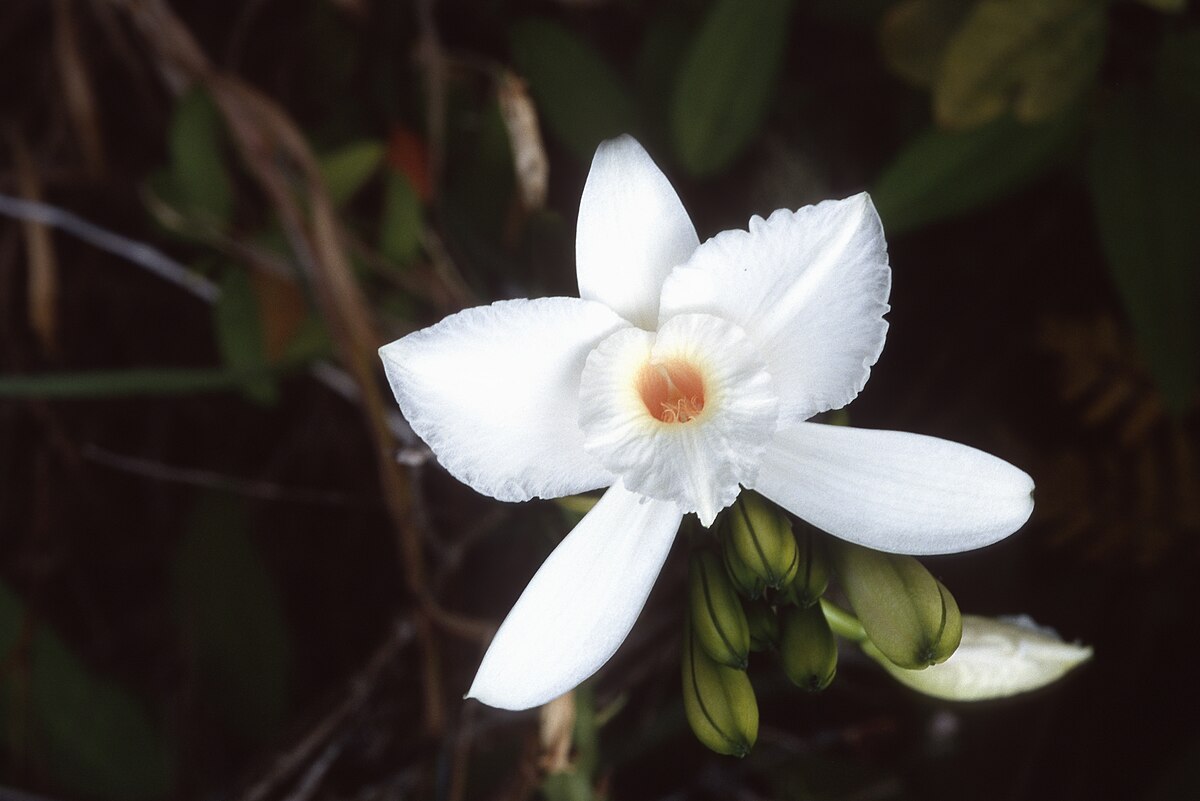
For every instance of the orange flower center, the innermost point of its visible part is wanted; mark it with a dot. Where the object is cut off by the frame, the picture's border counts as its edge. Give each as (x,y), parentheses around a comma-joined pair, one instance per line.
(673,391)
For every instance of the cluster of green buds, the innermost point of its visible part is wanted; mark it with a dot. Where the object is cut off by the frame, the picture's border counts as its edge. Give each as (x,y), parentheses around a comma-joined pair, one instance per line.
(761,587)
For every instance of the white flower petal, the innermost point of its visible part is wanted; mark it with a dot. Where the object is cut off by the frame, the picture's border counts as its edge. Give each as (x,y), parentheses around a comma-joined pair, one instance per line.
(581,604)
(996,659)
(698,464)
(632,230)
(494,392)
(895,491)
(810,287)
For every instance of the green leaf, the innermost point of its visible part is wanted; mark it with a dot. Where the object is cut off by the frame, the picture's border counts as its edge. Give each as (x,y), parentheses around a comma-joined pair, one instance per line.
(400,229)
(90,736)
(727,82)
(232,620)
(347,170)
(567,786)
(587,731)
(580,97)
(240,336)
(151,381)
(662,49)
(198,177)
(940,174)
(1033,57)
(914,35)
(1144,176)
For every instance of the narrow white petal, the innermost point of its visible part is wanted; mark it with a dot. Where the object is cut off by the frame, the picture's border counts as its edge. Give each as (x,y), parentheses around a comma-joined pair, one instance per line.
(895,491)
(581,604)
(632,230)
(698,464)
(810,287)
(494,392)
(996,659)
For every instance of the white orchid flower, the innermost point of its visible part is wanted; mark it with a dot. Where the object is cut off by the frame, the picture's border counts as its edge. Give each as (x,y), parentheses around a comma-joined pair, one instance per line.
(996,659)
(681,374)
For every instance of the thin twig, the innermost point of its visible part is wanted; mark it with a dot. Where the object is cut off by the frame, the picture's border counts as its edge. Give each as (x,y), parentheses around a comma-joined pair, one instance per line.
(261,490)
(131,250)
(42,287)
(311,780)
(359,691)
(460,758)
(163,266)
(433,60)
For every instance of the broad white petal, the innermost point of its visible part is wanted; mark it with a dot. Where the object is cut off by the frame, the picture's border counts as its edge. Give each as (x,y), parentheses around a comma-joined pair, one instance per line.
(810,287)
(996,659)
(632,230)
(581,604)
(698,464)
(494,392)
(894,491)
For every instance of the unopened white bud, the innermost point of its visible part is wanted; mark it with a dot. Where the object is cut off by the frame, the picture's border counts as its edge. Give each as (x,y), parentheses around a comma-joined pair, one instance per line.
(997,658)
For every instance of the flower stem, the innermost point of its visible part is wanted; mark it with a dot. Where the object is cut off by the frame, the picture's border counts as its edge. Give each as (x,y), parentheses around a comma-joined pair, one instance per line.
(842,622)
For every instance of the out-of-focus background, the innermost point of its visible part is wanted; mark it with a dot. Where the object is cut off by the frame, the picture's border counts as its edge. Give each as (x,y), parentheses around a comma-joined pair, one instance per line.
(228,571)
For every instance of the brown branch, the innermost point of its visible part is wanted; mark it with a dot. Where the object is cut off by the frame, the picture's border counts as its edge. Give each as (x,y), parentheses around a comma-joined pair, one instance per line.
(42,287)
(277,156)
(357,694)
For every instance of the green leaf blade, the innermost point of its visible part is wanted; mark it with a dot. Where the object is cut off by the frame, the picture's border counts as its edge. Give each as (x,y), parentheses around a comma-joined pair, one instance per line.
(579,96)
(348,170)
(240,335)
(939,174)
(1144,177)
(90,735)
(232,618)
(727,81)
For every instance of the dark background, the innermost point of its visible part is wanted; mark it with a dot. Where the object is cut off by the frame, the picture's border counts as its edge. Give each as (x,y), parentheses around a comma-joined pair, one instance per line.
(215,580)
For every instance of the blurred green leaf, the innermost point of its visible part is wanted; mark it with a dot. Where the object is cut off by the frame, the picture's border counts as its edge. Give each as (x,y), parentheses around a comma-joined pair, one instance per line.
(89,735)
(400,229)
(347,170)
(232,619)
(663,47)
(1033,57)
(1144,176)
(570,786)
(587,734)
(198,175)
(240,336)
(580,97)
(149,381)
(479,192)
(727,82)
(310,342)
(914,35)
(940,174)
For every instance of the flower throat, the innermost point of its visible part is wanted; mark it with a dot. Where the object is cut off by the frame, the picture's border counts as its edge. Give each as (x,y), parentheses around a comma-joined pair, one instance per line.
(672,391)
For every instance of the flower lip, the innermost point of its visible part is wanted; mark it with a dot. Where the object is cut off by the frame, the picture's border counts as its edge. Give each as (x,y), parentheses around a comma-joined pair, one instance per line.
(672,390)
(637,389)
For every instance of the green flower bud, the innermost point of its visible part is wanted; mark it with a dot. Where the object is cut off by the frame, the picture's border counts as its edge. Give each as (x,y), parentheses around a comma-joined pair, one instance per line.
(812,575)
(764,625)
(910,617)
(717,616)
(762,537)
(747,582)
(808,648)
(718,700)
